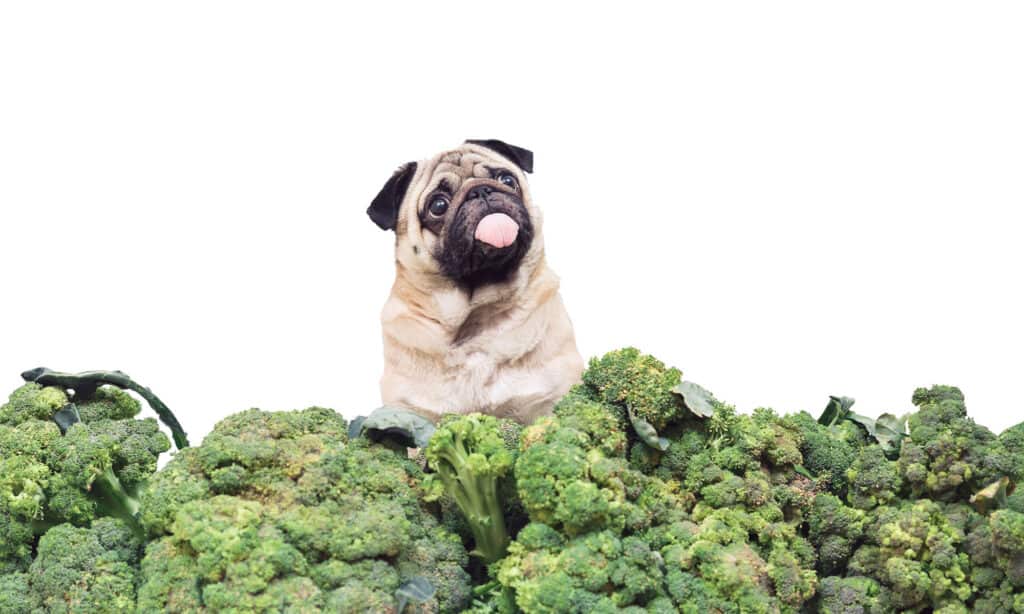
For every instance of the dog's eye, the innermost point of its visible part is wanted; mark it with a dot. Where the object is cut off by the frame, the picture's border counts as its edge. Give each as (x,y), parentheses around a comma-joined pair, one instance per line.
(438,206)
(508,180)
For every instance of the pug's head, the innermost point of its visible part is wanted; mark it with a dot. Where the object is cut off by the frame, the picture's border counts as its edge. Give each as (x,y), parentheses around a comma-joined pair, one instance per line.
(464,214)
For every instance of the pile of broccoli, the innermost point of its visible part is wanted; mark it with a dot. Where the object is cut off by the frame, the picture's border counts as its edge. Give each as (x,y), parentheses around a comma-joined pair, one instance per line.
(280,511)
(72,467)
(640,493)
(638,500)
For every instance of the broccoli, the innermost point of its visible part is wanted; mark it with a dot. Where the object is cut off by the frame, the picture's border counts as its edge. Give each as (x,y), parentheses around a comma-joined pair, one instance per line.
(855,595)
(471,459)
(995,544)
(77,569)
(16,595)
(572,473)
(87,570)
(873,479)
(1007,458)
(595,571)
(638,383)
(915,551)
(948,456)
(828,451)
(613,533)
(64,461)
(834,529)
(279,510)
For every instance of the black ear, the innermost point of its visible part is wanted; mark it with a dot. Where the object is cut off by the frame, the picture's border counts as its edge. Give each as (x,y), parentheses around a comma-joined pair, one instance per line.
(522,157)
(384,208)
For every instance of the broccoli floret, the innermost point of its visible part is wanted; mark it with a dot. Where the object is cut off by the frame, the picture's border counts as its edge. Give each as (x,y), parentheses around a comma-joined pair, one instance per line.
(768,438)
(471,459)
(16,594)
(947,456)
(856,595)
(566,479)
(586,573)
(914,550)
(775,571)
(600,421)
(279,510)
(638,382)
(552,469)
(828,451)
(693,595)
(32,402)
(90,569)
(834,530)
(70,459)
(1008,455)
(873,479)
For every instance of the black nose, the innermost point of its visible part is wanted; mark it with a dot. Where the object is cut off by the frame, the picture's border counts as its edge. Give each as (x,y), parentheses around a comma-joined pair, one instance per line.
(480,191)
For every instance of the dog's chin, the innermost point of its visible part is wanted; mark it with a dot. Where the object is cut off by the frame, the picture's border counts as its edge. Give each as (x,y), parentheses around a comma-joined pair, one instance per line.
(471,262)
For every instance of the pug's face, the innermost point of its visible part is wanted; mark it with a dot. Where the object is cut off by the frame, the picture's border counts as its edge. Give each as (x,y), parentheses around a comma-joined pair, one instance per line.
(464,214)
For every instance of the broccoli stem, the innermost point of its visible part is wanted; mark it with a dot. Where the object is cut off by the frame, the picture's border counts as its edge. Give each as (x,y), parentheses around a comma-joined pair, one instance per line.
(113,500)
(42,525)
(477,498)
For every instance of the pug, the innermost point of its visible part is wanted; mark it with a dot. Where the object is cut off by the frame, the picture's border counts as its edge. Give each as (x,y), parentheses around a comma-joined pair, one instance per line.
(474,321)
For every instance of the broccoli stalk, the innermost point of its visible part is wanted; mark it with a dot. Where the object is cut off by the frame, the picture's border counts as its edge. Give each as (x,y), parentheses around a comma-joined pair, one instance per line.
(113,500)
(469,458)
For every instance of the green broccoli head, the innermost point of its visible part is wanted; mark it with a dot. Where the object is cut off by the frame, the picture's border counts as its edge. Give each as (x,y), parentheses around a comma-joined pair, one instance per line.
(947,456)
(915,551)
(775,571)
(566,480)
(70,463)
(16,594)
(249,520)
(855,595)
(32,402)
(23,487)
(873,479)
(834,529)
(602,422)
(995,544)
(91,569)
(827,452)
(472,455)
(637,382)
(108,402)
(597,571)
(1007,456)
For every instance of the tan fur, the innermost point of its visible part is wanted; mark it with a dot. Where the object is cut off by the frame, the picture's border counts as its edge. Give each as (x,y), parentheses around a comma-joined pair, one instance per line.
(506,350)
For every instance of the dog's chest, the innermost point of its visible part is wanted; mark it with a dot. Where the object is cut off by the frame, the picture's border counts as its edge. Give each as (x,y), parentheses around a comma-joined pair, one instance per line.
(482,381)
(514,359)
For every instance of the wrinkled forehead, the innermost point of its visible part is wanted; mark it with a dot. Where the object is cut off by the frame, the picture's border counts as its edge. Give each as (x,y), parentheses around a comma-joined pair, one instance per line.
(454,167)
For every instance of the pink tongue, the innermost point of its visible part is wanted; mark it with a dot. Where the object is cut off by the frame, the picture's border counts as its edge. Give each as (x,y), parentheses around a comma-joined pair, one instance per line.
(497,229)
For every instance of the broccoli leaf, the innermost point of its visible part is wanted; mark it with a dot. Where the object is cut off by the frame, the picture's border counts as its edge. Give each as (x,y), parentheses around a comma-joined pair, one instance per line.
(85,384)
(838,408)
(416,589)
(696,398)
(66,417)
(355,428)
(864,421)
(647,433)
(396,424)
(887,430)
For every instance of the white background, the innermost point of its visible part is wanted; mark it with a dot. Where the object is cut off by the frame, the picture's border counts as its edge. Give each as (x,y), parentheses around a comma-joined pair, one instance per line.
(785,200)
